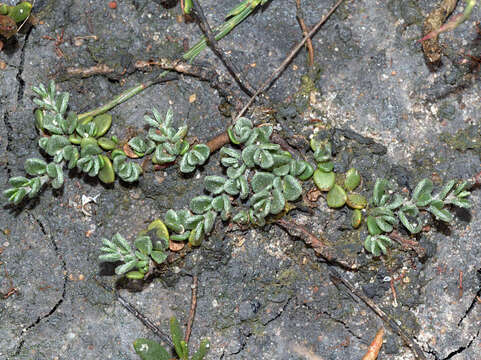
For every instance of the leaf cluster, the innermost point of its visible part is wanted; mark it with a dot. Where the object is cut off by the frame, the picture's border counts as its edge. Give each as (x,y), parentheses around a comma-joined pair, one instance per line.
(390,210)
(152,350)
(150,249)
(70,144)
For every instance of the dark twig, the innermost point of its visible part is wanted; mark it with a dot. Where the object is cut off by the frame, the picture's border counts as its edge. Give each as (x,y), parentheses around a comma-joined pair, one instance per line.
(408,244)
(305,31)
(336,278)
(212,42)
(288,59)
(193,306)
(319,245)
(129,307)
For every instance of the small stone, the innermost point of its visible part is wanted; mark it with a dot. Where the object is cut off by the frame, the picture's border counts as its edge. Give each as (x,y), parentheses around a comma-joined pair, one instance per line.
(3,65)
(113,4)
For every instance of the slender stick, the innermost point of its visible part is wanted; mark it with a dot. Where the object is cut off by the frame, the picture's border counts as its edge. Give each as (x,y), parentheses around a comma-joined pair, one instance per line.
(305,30)
(231,67)
(193,306)
(145,320)
(288,59)
(222,31)
(418,353)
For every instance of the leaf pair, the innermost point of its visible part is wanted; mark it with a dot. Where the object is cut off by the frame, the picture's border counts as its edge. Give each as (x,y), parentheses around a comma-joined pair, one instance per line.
(151,350)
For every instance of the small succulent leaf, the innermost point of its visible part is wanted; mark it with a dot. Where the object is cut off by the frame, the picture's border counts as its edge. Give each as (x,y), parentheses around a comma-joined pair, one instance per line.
(296,167)
(55,143)
(143,259)
(261,181)
(397,202)
(228,161)
(441,214)
(135,275)
(336,197)
(370,246)
(356,201)
(90,149)
(158,256)
(424,199)
(106,174)
(230,152)
(151,122)
(209,220)
(197,235)
(422,189)
(122,269)
(292,189)
(446,189)
(281,158)
(35,185)
(307,173)
(232,137)
(234,172)
(35,167)
(162,157)
(204,152)
(16,195)
(138,145)
(110,257)
(324,181)
(278,202)
(384,225)
(177,336)
(281,170)
(201,204)
(460,188)
(218,203)
(261,195)
(70,123)
(379,189)
(72,155)
(156,136)
(248,155)
(121,243)
(372,226)
(352,180)
(410,209)
(242,217)
(180,134)
(263,158)
(185,167)
(270,147)
(203,350)
(326,166)
(150,350)
(192,221)
(356,218)
(231,187)
(244,187)
(102,123)
(461,202)
(57,182)
(180,237)
(264,134)
(413,229)
(214,184)
(144,244)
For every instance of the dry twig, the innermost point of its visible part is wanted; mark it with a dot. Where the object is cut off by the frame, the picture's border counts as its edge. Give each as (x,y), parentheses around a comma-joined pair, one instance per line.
(212,42)
(336,278)
(373,350)
(305,31)
(319,245)
(193,306)
(287,60)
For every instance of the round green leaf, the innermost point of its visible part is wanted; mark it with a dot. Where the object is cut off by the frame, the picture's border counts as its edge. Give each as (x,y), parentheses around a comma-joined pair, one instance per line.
(356,201)
(356,218)
(352,180)
(35,167)
(102,124)
(336,197)
(324,181)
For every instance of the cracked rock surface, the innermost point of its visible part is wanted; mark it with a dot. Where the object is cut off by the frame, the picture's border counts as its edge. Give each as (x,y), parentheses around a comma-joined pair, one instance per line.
(262,294)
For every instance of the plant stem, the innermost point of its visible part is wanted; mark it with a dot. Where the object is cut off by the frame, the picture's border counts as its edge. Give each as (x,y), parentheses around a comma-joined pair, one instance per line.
(195,50)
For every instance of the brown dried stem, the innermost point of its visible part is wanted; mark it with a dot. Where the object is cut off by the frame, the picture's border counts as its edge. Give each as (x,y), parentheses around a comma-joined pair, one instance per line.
(287,60)
(305,31)
(193,306)
(318,244)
